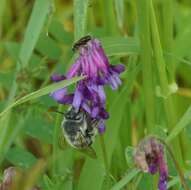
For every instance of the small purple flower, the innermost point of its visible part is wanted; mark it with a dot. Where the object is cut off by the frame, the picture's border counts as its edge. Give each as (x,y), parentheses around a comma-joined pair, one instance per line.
(89,94)
(149,157)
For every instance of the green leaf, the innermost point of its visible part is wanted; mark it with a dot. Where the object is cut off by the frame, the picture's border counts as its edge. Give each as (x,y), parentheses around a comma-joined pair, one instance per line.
(48,47)
(114,122)
(56,29)
(129,155)
(120,12)
(41,92)
(125,180)
(80,16)
(20,157)
(120,46)
(176,180)
(184,121)
(39,129)
(13,49)
(37,20)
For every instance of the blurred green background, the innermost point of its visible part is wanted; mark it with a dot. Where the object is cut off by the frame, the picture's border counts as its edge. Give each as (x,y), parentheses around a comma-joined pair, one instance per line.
(36,38)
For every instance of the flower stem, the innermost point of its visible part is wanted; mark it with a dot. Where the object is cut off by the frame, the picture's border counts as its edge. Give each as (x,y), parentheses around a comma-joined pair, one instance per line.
(146,55)
(163,80)
(167,21)
(56,142)
(106,162)
(105,158)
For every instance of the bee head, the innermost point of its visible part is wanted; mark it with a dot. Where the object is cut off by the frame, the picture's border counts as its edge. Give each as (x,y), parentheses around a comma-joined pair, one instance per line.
(74,115)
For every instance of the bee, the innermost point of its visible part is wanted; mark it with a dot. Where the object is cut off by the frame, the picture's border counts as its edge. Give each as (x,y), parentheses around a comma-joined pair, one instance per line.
(79,130)
(81,42)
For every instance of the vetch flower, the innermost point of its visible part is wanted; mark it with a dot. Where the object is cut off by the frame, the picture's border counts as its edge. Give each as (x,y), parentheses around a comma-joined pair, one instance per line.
(149,157)
(89,94)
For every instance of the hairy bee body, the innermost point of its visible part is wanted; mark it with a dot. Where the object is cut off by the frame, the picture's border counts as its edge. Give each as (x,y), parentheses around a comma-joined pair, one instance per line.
(79,129)
(81,42)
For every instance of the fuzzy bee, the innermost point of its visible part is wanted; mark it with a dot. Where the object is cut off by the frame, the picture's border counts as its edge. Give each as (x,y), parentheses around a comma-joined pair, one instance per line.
(81,42)
(79,131)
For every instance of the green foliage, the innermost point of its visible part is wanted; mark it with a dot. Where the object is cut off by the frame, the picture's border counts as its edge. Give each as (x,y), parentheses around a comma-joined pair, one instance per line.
(20,157)
(151,38)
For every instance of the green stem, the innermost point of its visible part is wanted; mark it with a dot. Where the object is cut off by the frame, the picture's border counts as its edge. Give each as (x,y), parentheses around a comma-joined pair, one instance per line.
(109,18)
(147,74)
(163,81)
(105,158)
(55,151)
(167,21)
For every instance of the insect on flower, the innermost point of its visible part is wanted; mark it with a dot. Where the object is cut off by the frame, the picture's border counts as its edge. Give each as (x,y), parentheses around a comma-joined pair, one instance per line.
(81,42)
(79,129)
(89,98)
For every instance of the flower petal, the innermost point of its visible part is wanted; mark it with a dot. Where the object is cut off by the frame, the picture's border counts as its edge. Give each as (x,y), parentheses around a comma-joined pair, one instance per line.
(113,83)
(101,128)
(103,114)
(67,99)
(86,107)
(74,69)
(58,95)
(77,98)
(118,68)
(95,112)
(57,77)
(162,185)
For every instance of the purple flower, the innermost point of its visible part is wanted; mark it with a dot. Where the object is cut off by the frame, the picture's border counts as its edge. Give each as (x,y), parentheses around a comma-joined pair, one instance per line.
(89,94)
(149,157)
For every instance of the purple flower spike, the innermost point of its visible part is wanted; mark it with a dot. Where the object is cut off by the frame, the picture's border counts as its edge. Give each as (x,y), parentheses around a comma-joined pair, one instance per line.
(149,157)
(89,94)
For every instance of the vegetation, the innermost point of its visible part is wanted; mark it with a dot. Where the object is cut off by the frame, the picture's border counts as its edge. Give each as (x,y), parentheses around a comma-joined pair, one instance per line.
(150,37)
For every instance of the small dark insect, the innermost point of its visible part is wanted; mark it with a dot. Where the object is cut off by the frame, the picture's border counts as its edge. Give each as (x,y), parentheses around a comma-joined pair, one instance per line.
(81,42)
(79,129)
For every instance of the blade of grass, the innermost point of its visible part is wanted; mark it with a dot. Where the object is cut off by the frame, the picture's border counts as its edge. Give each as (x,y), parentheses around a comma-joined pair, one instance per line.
(37,20)
(109,19)
(34,27)
(120,13)
(167,36)
(125,180)
(80,17)
(182,124)
(163,80)
(120,45)
(176,180)
(146,60)
(41,92)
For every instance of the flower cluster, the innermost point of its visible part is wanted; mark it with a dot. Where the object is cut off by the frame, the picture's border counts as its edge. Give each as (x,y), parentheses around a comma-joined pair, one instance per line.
(149,157)
(89,94)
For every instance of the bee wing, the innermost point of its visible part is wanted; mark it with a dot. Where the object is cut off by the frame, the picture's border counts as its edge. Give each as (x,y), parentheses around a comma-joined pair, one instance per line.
(89,151)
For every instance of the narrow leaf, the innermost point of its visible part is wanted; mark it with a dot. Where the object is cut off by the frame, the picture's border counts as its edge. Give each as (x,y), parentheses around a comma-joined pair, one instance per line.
(37,20)
(80,15)
(41,92)
(120,46)
(184,121)
(125,180)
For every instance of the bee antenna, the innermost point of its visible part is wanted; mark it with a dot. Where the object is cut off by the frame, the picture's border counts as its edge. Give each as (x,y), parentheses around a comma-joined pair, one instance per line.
(53,109)
(59,112)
